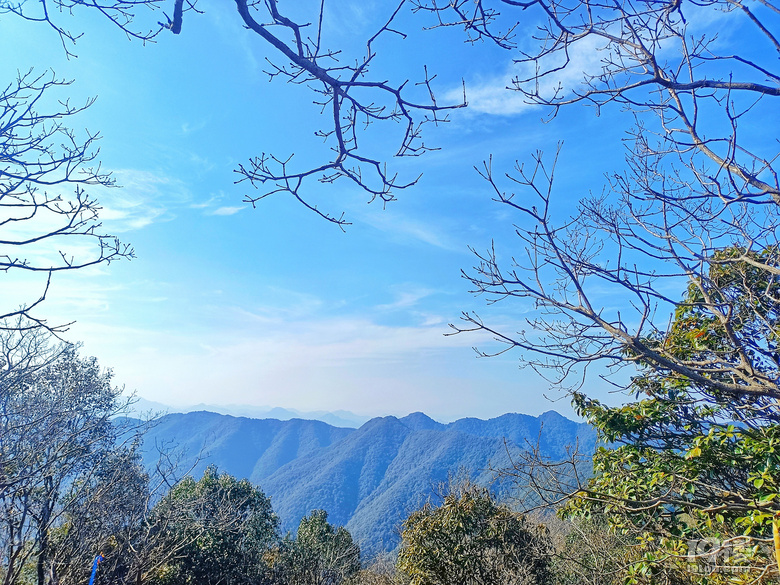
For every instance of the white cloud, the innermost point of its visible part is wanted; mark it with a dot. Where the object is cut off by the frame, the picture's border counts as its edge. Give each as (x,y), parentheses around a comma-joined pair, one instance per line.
(143,198)
(493,95)
(188,128)
(128,216)
(403,227)
(279,307)
(292,360)
(226,210)
(212,205)
(208,203)
(406,298)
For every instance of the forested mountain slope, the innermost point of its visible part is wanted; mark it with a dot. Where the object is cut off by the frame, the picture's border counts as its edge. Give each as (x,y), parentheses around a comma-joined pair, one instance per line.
(244,447)
(370,478)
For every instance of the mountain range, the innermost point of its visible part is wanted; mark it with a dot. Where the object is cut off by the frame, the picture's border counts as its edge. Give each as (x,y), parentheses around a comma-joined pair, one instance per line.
(339,418)
(368,479)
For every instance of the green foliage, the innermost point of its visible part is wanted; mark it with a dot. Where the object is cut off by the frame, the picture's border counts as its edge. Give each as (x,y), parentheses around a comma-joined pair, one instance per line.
(226,525)
(470,538)
(698,456)
(319,555)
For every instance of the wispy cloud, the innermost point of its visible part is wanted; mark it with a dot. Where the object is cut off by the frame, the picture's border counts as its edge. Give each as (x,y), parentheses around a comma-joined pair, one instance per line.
(279,306)
(406,298)
(143,198)
(210,202)
(213,205)
(189,128)
(495,96)
(350,19)
(226,210)
(403,227)
(128,214)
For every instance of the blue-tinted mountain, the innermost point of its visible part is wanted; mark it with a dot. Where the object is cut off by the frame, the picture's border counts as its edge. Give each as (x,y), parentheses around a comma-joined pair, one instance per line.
(244,447)
(141,407)
(370,478)
(550,432)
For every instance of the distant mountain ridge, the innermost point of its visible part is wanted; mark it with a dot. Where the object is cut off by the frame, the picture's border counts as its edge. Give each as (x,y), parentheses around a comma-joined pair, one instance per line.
(369,478)
(337,418)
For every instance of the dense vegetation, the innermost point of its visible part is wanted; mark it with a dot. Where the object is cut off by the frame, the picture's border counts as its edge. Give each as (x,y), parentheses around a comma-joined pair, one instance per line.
(694,462)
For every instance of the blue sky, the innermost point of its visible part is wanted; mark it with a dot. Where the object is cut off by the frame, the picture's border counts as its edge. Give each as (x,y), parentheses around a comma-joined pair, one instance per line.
(273,306)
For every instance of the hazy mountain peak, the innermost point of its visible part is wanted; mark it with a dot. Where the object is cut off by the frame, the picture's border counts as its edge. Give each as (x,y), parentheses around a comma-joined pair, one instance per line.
(419,421)
(338,418)
(552,415)
(380,422)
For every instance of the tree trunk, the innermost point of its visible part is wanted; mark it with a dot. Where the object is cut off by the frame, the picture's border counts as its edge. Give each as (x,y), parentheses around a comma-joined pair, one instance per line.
(43,531)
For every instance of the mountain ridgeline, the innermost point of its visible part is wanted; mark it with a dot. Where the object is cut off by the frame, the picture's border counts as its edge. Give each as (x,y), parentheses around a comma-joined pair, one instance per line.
(368,479)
